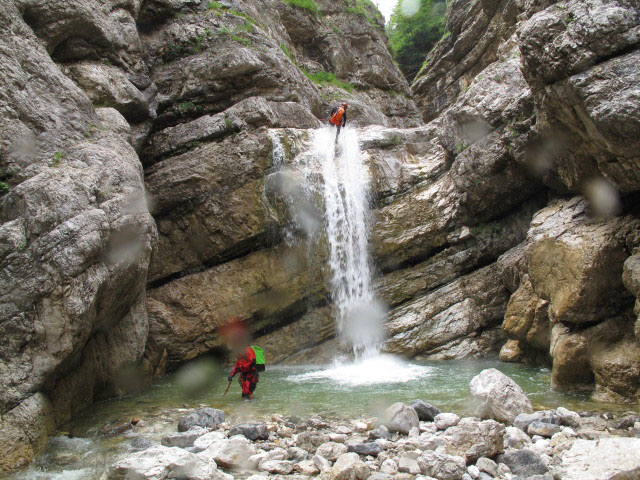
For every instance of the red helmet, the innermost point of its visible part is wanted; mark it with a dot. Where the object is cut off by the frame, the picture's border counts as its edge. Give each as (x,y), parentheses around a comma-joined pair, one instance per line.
(345,105)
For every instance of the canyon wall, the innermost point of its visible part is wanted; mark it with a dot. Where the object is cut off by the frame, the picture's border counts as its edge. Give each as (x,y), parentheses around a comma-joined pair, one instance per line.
(139,210)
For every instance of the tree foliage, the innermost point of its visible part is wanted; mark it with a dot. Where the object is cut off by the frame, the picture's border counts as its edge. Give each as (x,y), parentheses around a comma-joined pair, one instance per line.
(412,37)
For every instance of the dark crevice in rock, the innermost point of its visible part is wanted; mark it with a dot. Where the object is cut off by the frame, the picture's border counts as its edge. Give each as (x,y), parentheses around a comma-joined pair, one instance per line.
(240,249)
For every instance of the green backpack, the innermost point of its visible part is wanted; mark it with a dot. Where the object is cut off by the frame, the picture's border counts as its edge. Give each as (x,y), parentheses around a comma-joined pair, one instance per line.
(260,365)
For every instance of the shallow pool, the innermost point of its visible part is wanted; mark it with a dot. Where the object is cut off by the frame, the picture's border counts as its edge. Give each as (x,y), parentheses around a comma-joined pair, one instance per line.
(81,449)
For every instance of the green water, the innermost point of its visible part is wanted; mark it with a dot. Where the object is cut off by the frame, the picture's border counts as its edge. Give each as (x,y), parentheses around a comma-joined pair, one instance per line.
(82,451)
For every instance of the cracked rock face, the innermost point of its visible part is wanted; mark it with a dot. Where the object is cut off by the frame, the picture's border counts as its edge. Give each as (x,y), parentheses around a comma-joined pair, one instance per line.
(136,142)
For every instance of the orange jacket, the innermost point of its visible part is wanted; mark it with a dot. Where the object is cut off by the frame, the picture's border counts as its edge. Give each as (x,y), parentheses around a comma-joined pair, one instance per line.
(337,117)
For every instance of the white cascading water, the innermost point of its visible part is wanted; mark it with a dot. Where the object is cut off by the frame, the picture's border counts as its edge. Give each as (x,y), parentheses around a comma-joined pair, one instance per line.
(345,192)
(333,191)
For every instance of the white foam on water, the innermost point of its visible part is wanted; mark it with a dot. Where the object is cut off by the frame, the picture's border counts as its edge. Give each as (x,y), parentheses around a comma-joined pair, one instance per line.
(378,369)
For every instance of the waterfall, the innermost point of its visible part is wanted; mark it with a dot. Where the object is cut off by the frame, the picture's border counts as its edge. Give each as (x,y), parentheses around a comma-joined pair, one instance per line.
(345,193)
(330,201)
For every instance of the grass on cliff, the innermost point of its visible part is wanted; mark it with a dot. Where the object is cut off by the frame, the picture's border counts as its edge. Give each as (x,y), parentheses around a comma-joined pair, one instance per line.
(308,5)
(328,78)
(366,9)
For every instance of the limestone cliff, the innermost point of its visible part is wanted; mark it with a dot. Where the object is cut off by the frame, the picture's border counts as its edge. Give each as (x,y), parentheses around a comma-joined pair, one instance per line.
(136,156)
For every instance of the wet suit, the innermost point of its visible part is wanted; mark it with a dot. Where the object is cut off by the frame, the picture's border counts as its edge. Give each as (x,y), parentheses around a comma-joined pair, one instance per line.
(338,118)
(246,366)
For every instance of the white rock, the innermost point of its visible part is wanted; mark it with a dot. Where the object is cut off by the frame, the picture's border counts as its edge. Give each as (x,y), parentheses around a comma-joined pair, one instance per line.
(183,439)
(400,418)
(348,466)
(567,417)
(542,447)
(321,462)
(408,463)
(473,471)
(428,427)
(414,432)
(389,467)
(161,462)
(516,438)
(338,437)
(206,440)
(443,466)
(331,450)
(307,467)
(603,459)
(446,420)
(232,453)
(280,467)
(487,466)
(502,398)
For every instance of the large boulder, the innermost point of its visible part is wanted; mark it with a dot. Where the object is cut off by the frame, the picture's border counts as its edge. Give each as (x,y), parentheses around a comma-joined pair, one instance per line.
(473,439)
(502,399)
(604,459)
(400,418)
(161,462)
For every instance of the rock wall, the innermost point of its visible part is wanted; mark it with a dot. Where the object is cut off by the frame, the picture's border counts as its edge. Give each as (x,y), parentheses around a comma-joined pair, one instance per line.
(572,129)
(138,214)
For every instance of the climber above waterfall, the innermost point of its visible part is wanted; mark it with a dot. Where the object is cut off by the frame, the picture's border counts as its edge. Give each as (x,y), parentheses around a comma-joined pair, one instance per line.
(338,117)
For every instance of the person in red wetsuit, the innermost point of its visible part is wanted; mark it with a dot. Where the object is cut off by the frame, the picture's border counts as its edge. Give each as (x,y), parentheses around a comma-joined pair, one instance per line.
(246,366)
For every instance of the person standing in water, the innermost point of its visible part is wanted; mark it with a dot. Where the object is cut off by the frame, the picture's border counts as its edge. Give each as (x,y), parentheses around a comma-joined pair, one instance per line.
(338,117)
(246,366)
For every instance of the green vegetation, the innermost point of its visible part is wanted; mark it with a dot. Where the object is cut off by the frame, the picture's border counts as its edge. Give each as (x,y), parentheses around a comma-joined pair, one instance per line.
(186,108)
(328,78)
(287,52)
(4,188)
(309,5)
(412,37)
(57,158)
(366,9)
(228,122)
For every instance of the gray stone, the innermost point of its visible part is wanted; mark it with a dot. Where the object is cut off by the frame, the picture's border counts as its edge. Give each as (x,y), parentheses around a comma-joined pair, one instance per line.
(446,420)
(488,466)
(524,462)
(408,463)
(252,431)
(400,418)
(331,450)
(320,462)
(369,448)
(380,432)
(279,467)
(183,439)
(425,411)
(442,466)
(523,420)
(348,466)
(543,429)
(204,417)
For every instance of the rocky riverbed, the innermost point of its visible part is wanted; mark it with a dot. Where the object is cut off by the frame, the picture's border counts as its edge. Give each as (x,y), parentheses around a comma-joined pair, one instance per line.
(506,440)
